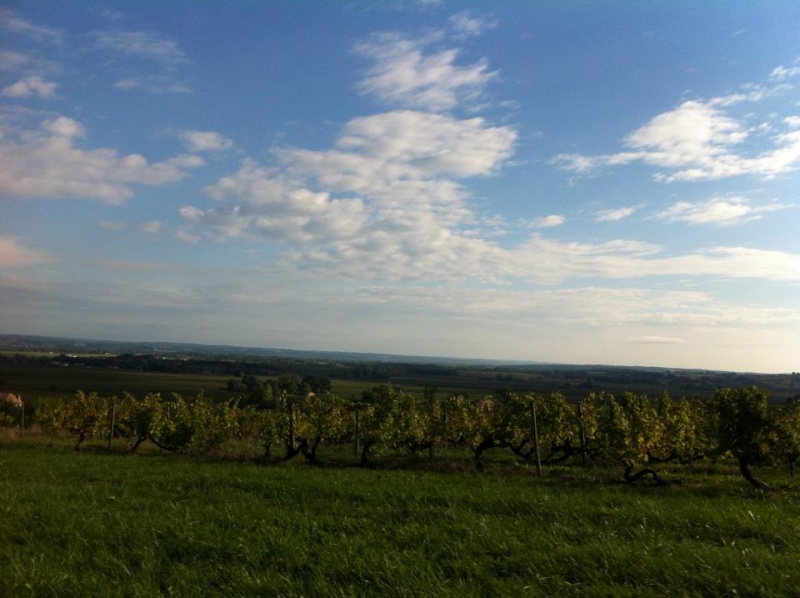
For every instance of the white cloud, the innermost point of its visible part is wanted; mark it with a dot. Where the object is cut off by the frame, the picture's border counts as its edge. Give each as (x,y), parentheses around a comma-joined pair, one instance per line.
(191,214)
(429,143)
(163,57)
(151,227)
(386,201)
(11,60)
(667,316)
(186,237)
(717,210)
(380,207)
(549,261)
(140,44)
(13,253)
(732,263)
(386,197)
(465,24)
(29,64)
(64,126)
(752,92)
(658,340)
(30,86)
(383,196)
(696,141)
(46,163)
(549,221)
(111,226)
(13,23)
(155,84)
(205,141)
(404,74)
(615,214)
(781,73)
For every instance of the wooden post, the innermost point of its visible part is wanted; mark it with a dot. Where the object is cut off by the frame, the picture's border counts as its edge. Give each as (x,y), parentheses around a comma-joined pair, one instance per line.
(583,434)
(113,422)
(22,418)
(536,440)
(444,427)
(431,427)
(356,448)
(291,427)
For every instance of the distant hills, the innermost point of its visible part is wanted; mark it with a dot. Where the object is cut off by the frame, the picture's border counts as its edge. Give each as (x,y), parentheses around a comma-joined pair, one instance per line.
(478,375)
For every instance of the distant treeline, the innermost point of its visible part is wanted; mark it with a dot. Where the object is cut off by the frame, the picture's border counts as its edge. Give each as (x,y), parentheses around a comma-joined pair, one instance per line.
(233,367)
(572,380)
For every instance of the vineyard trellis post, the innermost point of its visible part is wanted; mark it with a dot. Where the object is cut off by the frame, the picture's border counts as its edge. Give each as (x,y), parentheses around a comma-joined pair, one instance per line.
(536,440)
(583,434)
(113,422)
(290,447)
(356,448)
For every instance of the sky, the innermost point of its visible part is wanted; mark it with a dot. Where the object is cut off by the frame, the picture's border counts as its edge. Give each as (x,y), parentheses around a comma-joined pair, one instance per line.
(572,182)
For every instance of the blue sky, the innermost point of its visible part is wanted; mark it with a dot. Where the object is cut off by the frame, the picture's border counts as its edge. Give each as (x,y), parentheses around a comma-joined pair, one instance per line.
(581,182)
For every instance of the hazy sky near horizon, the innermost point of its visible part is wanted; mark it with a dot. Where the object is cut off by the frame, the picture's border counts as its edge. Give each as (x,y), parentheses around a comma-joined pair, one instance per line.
(581,182)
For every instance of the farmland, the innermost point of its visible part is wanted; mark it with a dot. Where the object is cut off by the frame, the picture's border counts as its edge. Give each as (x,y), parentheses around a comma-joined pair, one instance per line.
(226,491)
(37,374)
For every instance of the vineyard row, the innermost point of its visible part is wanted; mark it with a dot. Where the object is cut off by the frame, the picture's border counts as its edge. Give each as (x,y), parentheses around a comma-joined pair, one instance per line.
(634,432)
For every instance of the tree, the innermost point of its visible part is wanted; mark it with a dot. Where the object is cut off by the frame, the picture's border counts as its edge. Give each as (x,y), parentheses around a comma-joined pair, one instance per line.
(318,384)
(289,383)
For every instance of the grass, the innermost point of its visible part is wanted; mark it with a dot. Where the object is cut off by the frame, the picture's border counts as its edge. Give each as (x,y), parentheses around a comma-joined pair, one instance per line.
(103,524)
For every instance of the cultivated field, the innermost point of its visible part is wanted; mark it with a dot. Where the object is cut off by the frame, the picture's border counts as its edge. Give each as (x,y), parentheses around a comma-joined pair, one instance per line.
(237,501)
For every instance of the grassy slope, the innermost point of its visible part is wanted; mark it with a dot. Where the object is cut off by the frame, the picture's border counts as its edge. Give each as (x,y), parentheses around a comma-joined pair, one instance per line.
(77,524)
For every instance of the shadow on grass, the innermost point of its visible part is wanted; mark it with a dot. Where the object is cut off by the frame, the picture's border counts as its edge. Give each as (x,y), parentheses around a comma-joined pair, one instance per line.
(702,478)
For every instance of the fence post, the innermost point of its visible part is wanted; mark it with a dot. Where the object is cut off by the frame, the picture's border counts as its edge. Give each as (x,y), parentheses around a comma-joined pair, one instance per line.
(536,440)
(22,418)
(113,422)
(583,434)
(444,427)
(290,448)
(355,446)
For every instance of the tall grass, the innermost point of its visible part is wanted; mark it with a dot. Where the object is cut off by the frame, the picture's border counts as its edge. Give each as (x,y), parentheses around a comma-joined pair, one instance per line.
(80,524)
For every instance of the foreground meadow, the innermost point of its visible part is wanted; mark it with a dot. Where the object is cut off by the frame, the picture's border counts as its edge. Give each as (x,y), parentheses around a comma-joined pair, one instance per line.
(111,524)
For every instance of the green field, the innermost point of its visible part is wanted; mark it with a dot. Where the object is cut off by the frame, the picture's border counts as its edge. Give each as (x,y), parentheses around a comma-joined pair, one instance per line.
(110,524)
(35,381)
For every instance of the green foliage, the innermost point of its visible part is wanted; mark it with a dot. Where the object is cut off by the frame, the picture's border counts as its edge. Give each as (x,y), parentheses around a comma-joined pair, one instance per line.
(629,430)
(740,420)
(9,413)
(83,416)
(407,424)
(136,418)
(784,437)
(260,424)
(318,418)
(739,417)
(681,430)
